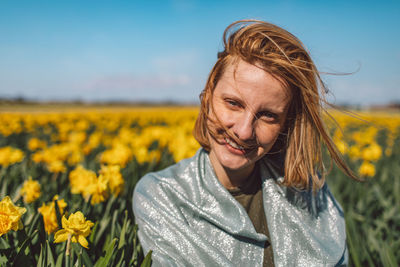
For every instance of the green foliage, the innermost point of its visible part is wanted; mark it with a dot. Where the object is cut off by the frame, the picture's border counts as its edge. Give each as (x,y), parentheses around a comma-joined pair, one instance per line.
(113,240)
(372,212)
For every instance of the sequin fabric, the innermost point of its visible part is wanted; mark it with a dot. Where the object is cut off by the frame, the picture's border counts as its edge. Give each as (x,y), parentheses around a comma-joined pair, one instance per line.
(187,218)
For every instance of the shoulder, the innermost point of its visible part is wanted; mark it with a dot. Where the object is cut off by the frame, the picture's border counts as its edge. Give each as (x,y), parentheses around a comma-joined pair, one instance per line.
(168,176)
(167,184)
(314,201)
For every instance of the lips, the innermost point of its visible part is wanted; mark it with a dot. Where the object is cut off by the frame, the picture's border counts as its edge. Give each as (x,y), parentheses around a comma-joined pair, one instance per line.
(233,144)
(235,148)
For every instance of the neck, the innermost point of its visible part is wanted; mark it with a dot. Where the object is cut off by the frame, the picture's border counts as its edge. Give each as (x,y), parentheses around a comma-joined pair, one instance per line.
(230,178)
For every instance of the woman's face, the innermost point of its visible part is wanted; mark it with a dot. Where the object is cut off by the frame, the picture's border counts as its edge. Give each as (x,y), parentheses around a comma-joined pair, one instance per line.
(252,105)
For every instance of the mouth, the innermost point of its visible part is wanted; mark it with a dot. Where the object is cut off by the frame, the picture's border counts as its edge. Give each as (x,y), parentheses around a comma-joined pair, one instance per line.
(236,148)
(233,144)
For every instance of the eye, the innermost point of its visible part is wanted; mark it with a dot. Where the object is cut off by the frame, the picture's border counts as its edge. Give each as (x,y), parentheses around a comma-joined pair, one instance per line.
(268,116)
(232,103)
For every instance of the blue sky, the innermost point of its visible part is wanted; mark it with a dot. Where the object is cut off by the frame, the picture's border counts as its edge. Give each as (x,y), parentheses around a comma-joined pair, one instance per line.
(164,50)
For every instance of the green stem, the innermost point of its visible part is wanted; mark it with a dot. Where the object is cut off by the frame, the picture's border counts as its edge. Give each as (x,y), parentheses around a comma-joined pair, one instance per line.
(67,250)
(2,172)
(66,261)
(68,245)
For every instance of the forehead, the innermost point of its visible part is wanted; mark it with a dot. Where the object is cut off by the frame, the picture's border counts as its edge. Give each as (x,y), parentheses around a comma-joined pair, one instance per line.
(253,85)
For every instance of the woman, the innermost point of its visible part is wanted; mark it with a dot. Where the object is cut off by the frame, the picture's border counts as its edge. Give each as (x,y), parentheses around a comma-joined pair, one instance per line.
(254,194)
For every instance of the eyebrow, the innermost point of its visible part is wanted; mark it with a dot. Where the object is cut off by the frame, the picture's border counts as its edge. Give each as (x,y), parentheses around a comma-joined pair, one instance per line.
(233,97)
(241,102)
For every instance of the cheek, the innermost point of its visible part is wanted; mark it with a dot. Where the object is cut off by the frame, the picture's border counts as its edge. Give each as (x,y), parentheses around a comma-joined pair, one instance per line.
(268,134)
(225,116)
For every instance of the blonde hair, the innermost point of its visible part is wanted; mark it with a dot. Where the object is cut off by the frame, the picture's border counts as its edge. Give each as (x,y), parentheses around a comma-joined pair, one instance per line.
(282,55)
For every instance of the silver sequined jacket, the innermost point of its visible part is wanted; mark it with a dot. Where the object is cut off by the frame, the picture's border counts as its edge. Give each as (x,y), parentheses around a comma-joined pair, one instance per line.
(187,218)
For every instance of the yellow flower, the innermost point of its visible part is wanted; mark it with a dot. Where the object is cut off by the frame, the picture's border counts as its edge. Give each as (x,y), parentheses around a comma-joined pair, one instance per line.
(56,166)
(114,177)
(80,179)
(98,190)
(35,143)
(85,182)
(10,155)
(77,137)
(49,214)
(10,216)
(93,142)
(372,152)
(342,146)
(75,158)
(76,228)
(37,157)
(354,152)
(30,190)
(119,154)
(367,169)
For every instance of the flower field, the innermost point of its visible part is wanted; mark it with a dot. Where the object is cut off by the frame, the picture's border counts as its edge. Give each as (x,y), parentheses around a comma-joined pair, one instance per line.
(67,178)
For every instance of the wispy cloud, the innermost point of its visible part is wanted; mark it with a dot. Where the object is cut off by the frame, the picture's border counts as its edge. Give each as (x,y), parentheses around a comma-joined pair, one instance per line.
(135,82)
(181,60)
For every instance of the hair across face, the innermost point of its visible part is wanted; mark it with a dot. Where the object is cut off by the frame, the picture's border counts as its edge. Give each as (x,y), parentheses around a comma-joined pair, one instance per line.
(248,112)
(283,57)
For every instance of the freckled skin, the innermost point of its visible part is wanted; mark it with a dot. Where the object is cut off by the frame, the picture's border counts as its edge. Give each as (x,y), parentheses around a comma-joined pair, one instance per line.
(253,105)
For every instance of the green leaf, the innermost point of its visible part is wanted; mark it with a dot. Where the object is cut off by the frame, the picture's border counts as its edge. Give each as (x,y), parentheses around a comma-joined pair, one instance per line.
(41,260)
(113,224)
(21,257)
(59,260)
(4,244)
(104,260)
(121,260)
(42,231)
(121,242)
(50,259)
(78,263)
(93,233)
(104,223)
(135,246)
(147,260)
(109,204)
(3,260)
(86,206)
(32,225)
(387,255)
(58,214)
(3,191)
(82,253)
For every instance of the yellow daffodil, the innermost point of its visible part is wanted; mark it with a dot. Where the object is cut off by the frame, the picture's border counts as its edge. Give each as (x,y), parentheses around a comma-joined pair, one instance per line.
(76,228)
(98,190)
(85,182)
(80,179)
(30,190)
(120,154)
(354,152)
(49,214)
(56,166)
(373,152)
(35,143)
(113,175)
(75,158)
(10,216)
(367,169)
(342,146)
(10,155)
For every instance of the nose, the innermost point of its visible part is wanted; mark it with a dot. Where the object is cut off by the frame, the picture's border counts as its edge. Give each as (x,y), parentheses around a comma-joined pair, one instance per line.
(244,127)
